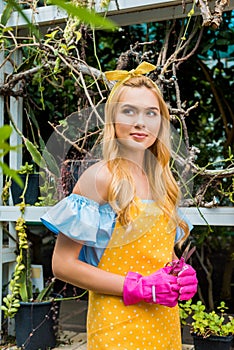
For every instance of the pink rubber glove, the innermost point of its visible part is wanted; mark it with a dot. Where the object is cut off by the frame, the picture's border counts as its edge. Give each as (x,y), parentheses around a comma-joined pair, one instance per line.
(158,288)
(187,279)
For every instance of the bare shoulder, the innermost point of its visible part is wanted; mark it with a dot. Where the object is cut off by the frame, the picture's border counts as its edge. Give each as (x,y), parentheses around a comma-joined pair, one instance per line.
(94,182)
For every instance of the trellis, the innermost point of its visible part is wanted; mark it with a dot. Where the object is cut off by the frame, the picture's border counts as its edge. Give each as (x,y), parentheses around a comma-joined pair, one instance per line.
(124,13)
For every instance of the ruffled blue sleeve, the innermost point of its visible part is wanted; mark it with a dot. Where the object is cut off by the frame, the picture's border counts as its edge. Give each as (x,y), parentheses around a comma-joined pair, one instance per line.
(179,231)
(81,219)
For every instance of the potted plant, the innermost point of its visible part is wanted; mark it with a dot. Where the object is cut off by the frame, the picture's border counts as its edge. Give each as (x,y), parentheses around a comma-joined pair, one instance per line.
(30,181)
(35,320)
(210,330)
(36,314)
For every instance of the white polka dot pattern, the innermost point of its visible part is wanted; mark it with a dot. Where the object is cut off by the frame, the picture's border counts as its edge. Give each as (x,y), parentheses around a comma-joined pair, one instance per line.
(112,325)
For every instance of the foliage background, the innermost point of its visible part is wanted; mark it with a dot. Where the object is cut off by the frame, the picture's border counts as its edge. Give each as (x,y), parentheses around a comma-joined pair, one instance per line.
(205,78)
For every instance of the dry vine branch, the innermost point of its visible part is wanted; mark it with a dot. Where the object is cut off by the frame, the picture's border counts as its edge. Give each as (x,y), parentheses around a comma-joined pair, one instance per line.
(203,171)
(219,100)
(205,12)
(163,53)
(7,88)
(212,18)
(182,46)
(192,52)
(181,111)
(55,59)
(218,12)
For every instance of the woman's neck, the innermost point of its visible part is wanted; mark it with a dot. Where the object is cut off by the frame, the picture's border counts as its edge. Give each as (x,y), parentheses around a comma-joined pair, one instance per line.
(136,168)
(135,160)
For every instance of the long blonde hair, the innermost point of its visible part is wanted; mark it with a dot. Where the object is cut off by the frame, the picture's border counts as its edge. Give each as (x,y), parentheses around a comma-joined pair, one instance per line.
(163,185)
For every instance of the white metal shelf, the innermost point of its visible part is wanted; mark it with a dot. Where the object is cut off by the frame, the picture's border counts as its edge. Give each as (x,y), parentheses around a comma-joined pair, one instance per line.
(127,13)
(32,213)
(8,254)
(220,216)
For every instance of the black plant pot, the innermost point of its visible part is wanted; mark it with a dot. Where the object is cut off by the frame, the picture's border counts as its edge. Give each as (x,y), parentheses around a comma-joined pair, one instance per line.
(32,191)
(36,325)
(212,342)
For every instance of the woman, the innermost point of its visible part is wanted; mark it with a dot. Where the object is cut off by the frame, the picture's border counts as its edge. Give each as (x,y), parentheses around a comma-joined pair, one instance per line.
(117,230)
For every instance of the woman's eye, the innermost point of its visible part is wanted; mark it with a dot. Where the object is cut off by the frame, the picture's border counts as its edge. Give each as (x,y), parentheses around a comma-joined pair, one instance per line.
(151,113)
(128,111)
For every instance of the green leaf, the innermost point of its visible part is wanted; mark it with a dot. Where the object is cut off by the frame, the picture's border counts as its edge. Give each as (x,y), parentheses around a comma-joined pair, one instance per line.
(222,42)
(51,162)
(5,132)
(26,169)
(36,155)
(52,35)
(13,311)
(85,15)
(191,12)
(5,147)
(23,288)
(7,29)
(16,304)
(27,64)
(5,300)
(6,14)
(46,291)
(4,308)
(78,36)
(30,25)
(11,173)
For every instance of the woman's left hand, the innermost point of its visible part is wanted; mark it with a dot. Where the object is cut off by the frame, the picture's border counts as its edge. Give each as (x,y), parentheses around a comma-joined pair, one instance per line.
(186,278)
(187,281)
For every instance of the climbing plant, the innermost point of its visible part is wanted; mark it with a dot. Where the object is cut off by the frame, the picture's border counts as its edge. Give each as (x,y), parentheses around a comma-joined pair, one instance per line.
(62,72)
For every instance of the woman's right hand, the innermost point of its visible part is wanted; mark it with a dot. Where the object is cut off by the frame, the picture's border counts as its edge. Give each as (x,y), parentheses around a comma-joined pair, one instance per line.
(158,288)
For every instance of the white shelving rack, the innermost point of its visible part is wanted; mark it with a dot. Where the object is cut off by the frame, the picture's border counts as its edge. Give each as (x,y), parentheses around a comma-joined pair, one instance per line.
(122,12)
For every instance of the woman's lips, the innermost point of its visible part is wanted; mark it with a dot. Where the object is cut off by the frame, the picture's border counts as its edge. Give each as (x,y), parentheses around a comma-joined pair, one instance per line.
(139,136)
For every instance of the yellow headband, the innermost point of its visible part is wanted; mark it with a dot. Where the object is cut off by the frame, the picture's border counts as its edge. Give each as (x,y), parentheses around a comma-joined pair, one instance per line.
(123,75)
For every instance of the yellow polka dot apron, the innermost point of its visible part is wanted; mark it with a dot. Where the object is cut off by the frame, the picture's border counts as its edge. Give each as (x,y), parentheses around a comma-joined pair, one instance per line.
(146,248)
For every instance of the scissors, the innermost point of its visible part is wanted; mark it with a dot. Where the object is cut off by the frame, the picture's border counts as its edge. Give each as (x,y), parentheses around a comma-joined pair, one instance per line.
(177,265)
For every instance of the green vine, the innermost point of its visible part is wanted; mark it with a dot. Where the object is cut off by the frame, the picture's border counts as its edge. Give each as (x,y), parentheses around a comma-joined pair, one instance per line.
(189,15)
(17,284)
(12,300)
(5,191)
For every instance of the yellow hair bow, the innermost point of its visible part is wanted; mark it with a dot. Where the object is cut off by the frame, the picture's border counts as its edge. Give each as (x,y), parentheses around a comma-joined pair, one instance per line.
(122,75)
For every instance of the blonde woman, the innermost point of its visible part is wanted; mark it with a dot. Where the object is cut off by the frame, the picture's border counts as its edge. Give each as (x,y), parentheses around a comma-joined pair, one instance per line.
(117,230)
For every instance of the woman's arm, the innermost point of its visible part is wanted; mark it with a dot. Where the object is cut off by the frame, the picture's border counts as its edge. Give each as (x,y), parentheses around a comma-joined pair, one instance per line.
(68,268)
(93,184)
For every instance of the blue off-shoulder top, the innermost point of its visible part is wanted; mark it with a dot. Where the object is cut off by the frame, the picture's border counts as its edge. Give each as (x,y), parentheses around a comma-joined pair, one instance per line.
(87,222)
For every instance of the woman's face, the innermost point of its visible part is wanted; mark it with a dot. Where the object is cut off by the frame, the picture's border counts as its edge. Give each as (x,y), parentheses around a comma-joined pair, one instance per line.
(137,120)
